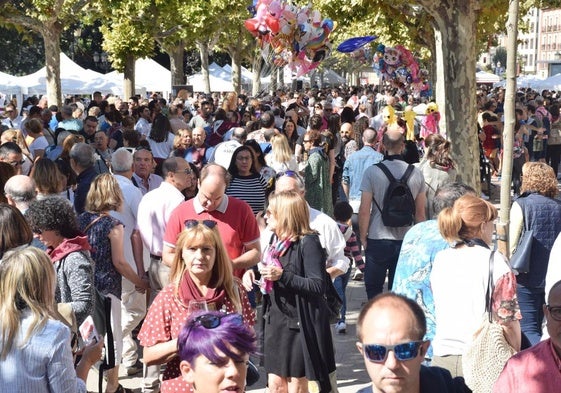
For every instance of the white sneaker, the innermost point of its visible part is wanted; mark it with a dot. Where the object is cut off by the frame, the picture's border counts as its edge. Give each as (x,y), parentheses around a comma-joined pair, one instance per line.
(340,328)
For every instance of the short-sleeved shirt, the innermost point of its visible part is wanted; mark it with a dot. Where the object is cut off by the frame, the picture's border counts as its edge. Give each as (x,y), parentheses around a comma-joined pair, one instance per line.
(163,322)
(235,220)
(106,277)
(376,182)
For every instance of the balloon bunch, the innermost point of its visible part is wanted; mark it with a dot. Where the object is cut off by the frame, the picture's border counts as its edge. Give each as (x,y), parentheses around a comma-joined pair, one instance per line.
(290,35)
(398,66)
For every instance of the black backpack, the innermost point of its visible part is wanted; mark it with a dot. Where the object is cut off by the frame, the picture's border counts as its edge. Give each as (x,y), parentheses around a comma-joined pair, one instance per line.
(399,205)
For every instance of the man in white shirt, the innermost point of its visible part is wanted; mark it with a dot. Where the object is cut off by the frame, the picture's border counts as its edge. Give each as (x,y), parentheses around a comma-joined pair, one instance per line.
(143,125)
(133,303)
(154,211)
(12,120)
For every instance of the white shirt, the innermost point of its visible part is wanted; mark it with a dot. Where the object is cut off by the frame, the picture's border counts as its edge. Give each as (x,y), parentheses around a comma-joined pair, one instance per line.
(128,215)
(161,149)
(143,127)
(153,214)
(39,143)
(459,283)
(330,237)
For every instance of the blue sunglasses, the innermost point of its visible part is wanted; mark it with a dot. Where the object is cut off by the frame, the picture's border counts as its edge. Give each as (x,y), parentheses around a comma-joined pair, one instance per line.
(377,353)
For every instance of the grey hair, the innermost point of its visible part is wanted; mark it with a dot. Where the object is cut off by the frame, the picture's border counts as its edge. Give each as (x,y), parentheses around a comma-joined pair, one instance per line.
(83,155)
(121,160)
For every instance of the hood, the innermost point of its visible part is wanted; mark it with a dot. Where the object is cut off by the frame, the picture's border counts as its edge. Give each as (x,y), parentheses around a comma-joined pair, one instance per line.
(68,246)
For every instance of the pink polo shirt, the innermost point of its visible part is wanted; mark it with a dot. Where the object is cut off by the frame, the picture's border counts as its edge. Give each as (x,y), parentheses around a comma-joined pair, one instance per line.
(536,369)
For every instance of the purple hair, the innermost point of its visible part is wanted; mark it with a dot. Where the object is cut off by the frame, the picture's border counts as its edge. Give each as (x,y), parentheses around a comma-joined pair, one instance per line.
(195,339)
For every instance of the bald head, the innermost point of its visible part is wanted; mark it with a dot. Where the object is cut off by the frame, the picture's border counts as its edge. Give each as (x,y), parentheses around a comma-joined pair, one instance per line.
(20,191)
(393,142)
(369,136)
(554,292)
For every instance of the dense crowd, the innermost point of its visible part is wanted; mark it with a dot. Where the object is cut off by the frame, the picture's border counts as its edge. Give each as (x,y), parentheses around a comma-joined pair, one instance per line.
(186,227)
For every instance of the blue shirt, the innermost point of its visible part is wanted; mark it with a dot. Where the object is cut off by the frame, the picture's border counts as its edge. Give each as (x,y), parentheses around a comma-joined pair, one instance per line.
(44,364)
(355,166)
(412,276)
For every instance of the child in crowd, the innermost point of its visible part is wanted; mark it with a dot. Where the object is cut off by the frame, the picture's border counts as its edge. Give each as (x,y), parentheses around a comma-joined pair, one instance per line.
(343,212)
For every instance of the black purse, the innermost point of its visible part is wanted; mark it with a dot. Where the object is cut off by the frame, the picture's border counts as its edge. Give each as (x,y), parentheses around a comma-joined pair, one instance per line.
(333,300)
(520,260)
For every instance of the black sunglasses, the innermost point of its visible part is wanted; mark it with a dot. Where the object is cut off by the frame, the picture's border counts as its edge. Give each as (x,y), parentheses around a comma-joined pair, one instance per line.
(211,321)
(377,353)
(193,223)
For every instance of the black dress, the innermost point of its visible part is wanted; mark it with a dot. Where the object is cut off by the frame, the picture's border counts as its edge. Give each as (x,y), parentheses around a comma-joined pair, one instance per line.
(298,340)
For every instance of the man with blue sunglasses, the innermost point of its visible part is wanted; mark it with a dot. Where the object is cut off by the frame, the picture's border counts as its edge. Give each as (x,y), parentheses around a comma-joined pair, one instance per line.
(390,332)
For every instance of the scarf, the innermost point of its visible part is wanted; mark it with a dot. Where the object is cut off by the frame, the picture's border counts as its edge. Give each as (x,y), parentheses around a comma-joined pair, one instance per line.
(274,251)
(188,291)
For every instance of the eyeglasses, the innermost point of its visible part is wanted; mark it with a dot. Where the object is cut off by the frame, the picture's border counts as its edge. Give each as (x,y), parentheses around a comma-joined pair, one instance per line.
(305,141)
(212,321)
(327,110)
(193,223)
(378,353)
(555,312)
(186,171)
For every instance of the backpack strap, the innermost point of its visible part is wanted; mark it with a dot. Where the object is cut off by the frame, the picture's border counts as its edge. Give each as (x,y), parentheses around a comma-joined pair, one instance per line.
(391,178)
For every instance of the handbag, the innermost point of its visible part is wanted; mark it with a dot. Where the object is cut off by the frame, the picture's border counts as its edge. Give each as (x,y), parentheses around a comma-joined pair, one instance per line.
(333,300)
(487,355)
(520,259)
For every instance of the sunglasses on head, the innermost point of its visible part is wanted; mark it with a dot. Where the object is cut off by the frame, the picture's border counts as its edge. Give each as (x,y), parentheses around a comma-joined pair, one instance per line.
(377,353)
(211,321)
(287,173)
(193,223)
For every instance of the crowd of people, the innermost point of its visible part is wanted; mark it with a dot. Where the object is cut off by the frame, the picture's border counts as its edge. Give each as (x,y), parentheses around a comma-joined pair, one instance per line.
(214,225)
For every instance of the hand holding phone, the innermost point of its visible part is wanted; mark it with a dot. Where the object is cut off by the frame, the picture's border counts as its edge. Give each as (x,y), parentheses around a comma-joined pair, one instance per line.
(88,331)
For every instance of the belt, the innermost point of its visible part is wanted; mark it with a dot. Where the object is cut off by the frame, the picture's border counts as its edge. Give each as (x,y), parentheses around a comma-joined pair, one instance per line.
(155,256)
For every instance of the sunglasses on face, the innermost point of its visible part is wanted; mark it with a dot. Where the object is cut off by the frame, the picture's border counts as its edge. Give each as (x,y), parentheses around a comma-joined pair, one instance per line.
(378,353)
(210,321)
(193,223)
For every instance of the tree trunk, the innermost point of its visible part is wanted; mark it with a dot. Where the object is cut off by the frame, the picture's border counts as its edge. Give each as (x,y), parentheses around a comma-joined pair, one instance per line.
(257,66)
(236,69)
(455,28)
(176,53)
(203,51)
(51,38)
(128,77)
(510,120)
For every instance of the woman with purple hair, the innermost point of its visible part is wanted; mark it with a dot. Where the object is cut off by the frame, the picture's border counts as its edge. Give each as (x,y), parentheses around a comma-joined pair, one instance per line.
(214,349)
(201,278)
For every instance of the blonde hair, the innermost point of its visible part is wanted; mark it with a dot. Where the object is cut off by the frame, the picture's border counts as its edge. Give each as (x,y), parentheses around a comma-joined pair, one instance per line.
(280,149)
(180,134)
(463,220)
(27,281)
(539,177)
(70,141)
(291,214)
(104,194)
(15,136)
(222,271)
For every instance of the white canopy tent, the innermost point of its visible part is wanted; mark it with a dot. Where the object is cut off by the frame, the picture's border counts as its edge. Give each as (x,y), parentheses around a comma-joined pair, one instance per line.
(523,81)
(551,83)
(220,79)
(148,75)
(486,77)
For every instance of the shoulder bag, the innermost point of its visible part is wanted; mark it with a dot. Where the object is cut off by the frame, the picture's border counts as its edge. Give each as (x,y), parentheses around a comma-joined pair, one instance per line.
(520,259)
(487,355)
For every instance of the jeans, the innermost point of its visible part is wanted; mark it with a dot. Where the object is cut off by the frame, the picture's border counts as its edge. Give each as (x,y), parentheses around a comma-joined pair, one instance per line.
(531,301)
(381,258)
(340,285)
